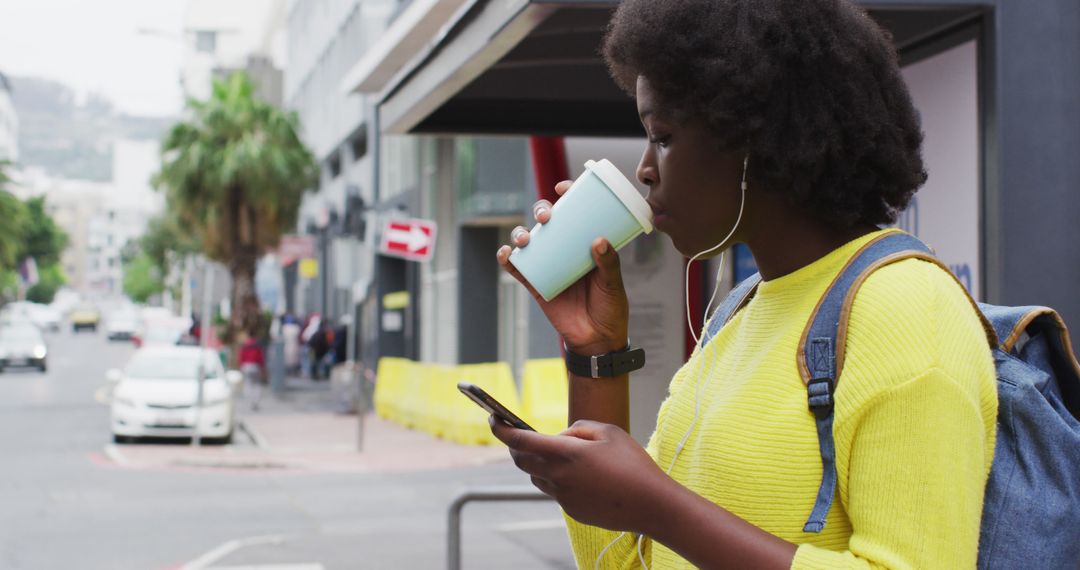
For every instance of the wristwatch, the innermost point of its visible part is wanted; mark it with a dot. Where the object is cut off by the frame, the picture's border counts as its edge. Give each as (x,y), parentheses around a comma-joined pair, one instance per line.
(605,365)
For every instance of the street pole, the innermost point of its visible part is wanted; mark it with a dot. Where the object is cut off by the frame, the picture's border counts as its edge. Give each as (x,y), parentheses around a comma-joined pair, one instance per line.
(204,336)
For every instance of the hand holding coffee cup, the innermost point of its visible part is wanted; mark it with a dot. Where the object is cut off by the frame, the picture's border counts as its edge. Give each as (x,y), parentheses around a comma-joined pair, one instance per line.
(598,213)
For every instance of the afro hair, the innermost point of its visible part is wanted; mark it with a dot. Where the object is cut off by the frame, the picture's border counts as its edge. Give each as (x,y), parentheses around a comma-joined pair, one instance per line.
(811,89)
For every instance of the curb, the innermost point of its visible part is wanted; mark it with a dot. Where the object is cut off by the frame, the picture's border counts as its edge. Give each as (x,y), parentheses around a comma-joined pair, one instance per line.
(246,464)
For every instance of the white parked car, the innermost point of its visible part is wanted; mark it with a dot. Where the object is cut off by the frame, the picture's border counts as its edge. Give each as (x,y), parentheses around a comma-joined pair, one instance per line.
(21,344)
(155,395)
(45,317)
(121,325)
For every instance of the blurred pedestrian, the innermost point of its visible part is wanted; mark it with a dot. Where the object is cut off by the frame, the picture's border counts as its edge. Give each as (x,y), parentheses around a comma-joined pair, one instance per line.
(290,335)
(320,344)
(311,326)
(341,341)
(253,367)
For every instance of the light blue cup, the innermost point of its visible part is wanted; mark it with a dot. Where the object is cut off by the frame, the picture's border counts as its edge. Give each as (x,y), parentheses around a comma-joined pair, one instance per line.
(600,203)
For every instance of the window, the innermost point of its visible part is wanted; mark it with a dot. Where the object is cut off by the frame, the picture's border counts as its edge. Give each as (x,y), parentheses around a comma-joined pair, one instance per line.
(334,165)
(359,146)
(206,41)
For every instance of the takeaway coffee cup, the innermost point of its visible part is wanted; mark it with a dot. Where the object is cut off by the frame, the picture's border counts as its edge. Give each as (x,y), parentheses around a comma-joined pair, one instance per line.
(600,203)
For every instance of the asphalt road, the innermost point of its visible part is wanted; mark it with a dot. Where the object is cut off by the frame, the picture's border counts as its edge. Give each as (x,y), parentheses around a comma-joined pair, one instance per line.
(63,504)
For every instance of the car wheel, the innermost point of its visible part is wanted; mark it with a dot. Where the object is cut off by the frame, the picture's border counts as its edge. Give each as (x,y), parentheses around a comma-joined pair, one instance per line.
(225,440)
(120,438)
(43,367)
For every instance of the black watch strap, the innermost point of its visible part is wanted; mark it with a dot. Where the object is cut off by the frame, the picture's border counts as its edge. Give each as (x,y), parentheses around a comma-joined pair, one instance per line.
(605,365)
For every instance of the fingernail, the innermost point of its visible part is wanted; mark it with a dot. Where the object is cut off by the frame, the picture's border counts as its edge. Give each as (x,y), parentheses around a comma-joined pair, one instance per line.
(538,211)
(514,235)
(603,247)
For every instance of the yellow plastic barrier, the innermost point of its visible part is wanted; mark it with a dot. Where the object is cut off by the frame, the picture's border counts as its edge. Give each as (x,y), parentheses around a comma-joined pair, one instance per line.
(413,402)
(440,400)
(470,422)
(544,394)
(425,397)
(390,388)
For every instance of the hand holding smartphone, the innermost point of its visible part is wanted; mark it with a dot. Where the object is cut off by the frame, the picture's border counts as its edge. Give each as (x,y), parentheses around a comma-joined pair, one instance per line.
(492,406)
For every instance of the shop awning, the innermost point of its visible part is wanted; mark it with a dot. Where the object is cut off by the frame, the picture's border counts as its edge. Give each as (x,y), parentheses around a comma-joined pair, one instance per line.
(533,67)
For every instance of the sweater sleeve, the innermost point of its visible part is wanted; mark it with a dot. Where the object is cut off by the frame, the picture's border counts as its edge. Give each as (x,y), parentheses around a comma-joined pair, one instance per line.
(595,547)
(915,479)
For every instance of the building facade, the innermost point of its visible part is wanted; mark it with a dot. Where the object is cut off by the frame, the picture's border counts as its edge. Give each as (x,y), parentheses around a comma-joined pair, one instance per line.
(9,123)
(221,37)
(324,38)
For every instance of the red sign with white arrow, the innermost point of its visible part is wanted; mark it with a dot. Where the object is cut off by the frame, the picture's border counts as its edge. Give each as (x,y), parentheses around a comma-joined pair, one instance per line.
(410,239)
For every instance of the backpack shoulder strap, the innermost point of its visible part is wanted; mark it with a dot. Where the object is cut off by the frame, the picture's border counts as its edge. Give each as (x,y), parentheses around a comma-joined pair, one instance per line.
(822,347)
(735,300)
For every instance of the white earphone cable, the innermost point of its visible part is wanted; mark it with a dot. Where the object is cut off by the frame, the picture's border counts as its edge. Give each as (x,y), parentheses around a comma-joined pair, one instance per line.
(698,384)
(742,203)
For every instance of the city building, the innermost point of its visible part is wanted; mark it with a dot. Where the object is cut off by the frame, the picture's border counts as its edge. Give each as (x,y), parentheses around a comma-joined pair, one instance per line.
(72,205)
(324,39)
(99,218)
(122,215)
(9,123)
(455,308)
(221,37)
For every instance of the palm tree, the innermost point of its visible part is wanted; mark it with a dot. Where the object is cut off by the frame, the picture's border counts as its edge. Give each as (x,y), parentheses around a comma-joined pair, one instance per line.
(234,174)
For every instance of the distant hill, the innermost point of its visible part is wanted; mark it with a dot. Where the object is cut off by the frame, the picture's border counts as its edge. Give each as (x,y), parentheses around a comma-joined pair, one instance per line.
(71,140)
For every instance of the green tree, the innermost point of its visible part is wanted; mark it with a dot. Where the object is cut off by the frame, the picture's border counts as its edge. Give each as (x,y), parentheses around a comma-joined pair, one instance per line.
(235,173)
(142,278)
(165,243)
(43,239)
(12,227)
(50,279)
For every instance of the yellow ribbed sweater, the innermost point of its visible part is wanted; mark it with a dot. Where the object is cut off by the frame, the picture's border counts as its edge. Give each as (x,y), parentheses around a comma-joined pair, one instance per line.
(916,409)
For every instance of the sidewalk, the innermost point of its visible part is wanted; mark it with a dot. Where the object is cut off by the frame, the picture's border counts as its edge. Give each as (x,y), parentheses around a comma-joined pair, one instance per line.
(299,431)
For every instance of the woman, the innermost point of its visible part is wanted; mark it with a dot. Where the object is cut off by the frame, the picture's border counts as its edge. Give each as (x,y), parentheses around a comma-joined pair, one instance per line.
(804,102)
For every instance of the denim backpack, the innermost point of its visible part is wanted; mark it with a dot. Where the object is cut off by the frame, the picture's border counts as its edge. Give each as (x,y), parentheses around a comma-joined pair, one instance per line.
(1031,509)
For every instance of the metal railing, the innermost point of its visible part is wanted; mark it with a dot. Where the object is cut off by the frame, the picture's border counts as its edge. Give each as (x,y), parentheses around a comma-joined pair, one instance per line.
(487,494)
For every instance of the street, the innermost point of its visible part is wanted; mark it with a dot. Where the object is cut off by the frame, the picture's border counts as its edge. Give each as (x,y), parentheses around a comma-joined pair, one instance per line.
(68,503)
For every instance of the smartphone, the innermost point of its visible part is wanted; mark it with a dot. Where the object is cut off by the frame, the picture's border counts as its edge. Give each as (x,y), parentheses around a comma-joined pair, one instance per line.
(492,406)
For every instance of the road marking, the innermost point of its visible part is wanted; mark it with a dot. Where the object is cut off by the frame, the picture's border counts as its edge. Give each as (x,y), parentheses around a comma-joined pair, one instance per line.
(203,562)
(301,566)
(545,524)
(113,453)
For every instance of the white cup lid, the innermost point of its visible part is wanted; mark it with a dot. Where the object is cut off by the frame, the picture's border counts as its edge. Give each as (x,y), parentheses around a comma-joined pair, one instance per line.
(624,190)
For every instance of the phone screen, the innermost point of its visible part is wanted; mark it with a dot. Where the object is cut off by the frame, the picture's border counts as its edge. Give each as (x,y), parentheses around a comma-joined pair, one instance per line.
(492,406)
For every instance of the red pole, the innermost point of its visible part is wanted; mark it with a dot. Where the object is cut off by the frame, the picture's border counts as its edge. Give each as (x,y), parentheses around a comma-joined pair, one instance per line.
(549,165)
(549,168)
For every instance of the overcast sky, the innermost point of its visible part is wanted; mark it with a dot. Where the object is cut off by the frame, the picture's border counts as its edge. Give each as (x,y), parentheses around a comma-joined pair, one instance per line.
(97,46)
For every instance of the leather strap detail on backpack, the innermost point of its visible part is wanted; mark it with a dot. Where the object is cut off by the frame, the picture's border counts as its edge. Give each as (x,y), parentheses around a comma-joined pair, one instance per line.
(849,301)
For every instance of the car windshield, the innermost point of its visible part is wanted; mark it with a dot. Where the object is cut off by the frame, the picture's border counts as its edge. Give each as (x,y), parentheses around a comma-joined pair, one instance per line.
(19,334)
(162,336)
(168,367)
